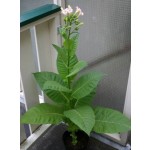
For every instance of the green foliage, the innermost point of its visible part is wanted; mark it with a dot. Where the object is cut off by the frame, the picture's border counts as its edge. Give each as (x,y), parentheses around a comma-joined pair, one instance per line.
(53,85)
(44,114)
(87,100)
(110,121)
(77,67)
(61,52)
(71,45)
(64,67)
(73,97)
(74,138)
(83,117)
(56,96)
(63,33)
(85,84)
(42,77)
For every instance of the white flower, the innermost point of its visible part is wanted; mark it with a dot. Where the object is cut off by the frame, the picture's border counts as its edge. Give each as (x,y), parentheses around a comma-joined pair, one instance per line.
(79,11)
(70,10)
(67,11)
(63,11)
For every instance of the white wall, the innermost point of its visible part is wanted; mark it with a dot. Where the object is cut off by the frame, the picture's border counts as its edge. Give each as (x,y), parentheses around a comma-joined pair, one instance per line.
(105,40)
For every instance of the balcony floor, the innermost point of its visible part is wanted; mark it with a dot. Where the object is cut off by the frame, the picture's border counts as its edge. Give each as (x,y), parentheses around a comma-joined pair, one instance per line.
(52,140)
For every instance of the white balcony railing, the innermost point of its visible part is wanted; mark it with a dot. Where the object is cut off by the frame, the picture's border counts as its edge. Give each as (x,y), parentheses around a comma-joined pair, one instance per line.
(38,32)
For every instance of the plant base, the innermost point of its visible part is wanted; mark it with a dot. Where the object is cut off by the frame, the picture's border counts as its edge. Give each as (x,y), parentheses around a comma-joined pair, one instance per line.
(82,143)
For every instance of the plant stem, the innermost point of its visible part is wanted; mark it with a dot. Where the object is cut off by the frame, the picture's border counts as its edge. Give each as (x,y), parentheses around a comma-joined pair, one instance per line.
(74,138)
(69,86)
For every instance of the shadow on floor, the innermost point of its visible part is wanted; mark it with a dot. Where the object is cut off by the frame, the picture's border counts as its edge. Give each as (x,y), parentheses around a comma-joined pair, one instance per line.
(52,140)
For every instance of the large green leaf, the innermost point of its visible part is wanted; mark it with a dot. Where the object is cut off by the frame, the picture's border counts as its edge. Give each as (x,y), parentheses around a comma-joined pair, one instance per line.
(86,84)
(74,44)
(83,117)
(110,121)
(42,77)
(77,67)
(71,45)
(53,85)
(87,100)
(66,58)
(62,61)
(43,114)
(64,67)
(56,96)
(62,53)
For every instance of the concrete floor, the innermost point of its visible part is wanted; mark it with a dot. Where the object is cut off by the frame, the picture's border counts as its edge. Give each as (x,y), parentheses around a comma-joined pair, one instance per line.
(52,140)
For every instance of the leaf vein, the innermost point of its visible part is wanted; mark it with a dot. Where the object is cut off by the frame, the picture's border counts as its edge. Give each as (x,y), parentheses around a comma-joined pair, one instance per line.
(112,123)
(80,87)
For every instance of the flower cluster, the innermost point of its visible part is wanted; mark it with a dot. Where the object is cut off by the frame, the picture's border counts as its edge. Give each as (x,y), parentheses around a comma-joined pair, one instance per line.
(69,11)
(71,20)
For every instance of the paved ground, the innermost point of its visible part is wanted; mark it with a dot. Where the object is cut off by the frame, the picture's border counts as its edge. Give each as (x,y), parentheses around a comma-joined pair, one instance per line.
(52,140)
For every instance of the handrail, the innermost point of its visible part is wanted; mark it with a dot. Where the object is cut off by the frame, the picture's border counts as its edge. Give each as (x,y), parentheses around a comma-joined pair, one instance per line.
(38,31)
(38,13)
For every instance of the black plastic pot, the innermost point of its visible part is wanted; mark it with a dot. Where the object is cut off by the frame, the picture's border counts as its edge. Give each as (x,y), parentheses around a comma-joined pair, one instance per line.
(82,143)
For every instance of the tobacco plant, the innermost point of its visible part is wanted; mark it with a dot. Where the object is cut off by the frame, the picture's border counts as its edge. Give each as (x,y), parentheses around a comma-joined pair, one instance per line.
(73,95)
